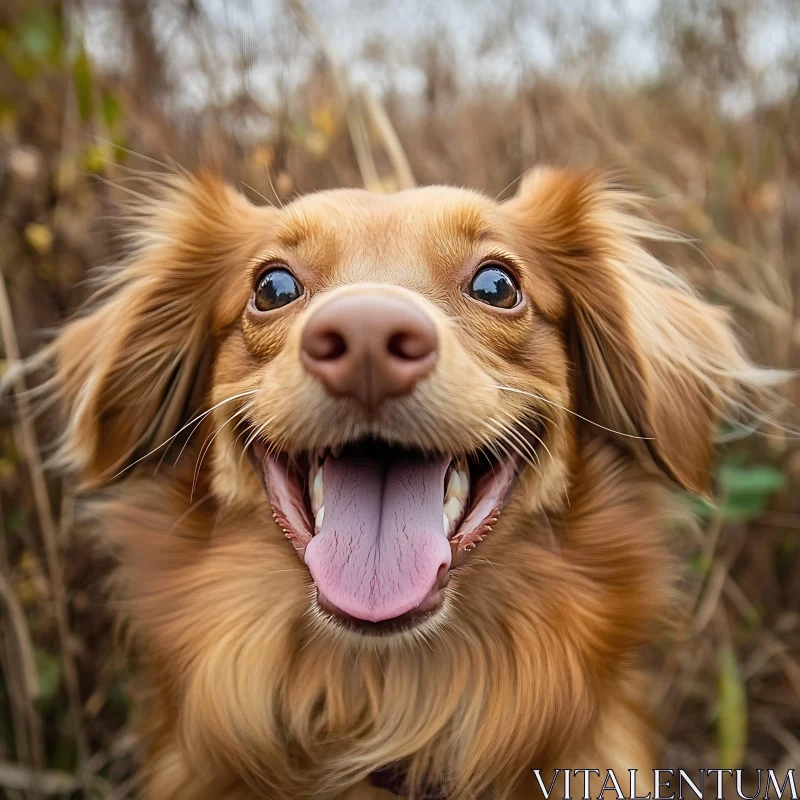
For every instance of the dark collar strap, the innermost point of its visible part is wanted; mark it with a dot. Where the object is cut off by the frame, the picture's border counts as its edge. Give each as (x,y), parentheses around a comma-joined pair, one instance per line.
(393,779)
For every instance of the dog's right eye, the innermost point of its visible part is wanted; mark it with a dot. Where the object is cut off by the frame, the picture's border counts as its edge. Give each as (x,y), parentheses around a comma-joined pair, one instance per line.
(492,284)
(276,288)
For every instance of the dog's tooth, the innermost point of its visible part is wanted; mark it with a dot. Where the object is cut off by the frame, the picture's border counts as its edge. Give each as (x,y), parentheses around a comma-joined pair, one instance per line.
(317,492)
(452,510)
(457,485)
(446,523)
(318,519)
(453,487)
(453,507)
(336,451)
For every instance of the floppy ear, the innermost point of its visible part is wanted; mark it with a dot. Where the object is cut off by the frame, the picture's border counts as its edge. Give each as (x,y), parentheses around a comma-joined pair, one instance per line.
(125,370)
(653,359)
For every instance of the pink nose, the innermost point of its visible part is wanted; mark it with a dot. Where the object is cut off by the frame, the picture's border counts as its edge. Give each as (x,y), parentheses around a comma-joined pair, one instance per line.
(369,347)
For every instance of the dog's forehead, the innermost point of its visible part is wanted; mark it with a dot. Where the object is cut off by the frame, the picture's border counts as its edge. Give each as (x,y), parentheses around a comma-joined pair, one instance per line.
(346,232)
(456,209)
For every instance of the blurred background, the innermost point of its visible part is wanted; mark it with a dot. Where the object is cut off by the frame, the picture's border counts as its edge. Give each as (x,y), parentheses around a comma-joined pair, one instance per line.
(698,101)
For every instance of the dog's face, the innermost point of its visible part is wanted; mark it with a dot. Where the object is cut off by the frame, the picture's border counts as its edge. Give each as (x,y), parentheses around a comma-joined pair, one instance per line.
(389,373)
(400,361)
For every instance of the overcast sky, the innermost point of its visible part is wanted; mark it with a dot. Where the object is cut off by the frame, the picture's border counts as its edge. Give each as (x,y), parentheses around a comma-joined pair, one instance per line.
(521,33)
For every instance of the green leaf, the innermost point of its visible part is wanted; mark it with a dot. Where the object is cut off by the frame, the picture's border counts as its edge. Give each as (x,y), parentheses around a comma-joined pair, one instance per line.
(744,507)
(732,712)
(82,75)
(112,112)
(756,480)
(14,521)
(39,35)
(96,158)
(49,668)
(747,491)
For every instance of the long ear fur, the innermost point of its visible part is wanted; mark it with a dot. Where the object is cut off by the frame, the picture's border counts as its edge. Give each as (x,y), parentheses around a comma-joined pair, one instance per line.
(653,359)
(123,371)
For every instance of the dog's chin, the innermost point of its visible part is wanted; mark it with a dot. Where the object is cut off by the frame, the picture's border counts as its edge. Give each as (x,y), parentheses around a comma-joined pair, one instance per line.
(381,527)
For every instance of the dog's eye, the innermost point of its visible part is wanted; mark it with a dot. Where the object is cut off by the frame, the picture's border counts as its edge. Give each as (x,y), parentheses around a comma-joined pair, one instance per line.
(276,288)
(492,284)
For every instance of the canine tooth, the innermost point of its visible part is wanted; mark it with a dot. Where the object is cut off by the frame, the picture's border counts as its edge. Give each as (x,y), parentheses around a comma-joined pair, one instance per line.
(452,510)
(318,519)
(317,492)
(453,487)
(458,486)
(446,523)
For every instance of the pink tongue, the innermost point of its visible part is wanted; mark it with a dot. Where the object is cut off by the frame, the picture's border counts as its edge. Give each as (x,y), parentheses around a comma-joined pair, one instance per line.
(382,544)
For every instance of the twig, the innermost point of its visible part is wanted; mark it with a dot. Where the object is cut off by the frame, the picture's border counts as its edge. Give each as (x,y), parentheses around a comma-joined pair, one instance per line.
(360,138)
(30,448)
(358,105)
(394,150)
(778,648)
(12,776)
(781,734)
(759,305)
(26,721)
(716,582)
(125,789)
(349,102)
(22,637)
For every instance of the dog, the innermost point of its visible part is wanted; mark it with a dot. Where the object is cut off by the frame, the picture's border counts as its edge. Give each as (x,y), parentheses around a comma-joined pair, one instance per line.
(386,476)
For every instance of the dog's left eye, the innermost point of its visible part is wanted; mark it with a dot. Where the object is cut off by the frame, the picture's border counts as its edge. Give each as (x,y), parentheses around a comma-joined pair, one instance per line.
(492,284)
(275,289)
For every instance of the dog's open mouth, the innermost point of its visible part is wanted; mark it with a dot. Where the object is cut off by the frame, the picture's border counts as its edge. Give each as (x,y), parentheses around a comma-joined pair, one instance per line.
(380,527)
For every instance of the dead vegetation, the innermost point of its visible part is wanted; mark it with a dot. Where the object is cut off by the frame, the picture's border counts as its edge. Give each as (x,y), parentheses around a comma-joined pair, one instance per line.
(90,91)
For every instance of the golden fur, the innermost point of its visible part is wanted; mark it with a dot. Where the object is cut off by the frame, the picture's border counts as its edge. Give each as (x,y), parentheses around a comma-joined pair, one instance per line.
(532,661)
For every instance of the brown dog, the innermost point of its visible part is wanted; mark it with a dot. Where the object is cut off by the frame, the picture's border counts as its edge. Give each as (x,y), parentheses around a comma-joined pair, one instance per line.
(460,414)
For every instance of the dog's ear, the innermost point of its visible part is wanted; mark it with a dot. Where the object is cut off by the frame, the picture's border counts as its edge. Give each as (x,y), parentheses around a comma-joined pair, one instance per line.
(653,360)
(125,369)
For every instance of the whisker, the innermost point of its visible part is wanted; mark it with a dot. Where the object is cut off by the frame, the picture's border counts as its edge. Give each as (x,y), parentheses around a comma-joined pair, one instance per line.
(502,432)
(547,449)
(272,186)
(181,430)
(490,563)
(506,188)
(514,423)
(570,411)
(189,511)
(194,430)
(130,152)
(206,447)
(255,191)
(255,434)
(245,430)
(491,446)
(510,428)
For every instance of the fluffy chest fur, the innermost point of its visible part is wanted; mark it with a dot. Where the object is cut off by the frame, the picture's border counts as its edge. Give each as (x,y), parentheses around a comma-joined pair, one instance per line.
(536,649)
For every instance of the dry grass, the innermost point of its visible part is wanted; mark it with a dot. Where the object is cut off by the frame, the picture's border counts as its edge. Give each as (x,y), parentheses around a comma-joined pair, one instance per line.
(730,691)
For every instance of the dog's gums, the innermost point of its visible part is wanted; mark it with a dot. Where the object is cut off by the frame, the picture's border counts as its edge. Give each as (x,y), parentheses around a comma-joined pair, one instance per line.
(380,527)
